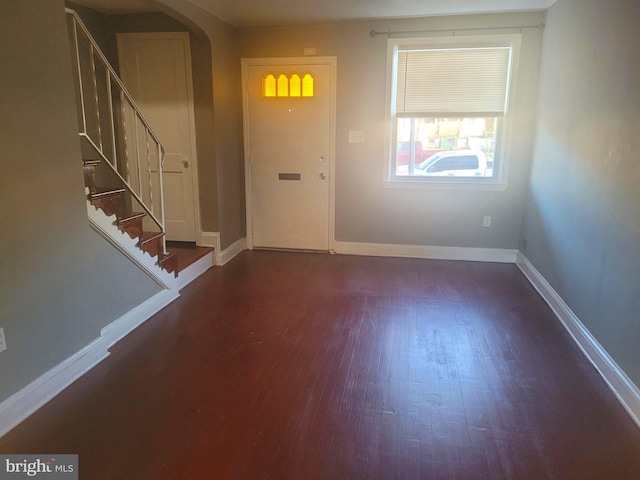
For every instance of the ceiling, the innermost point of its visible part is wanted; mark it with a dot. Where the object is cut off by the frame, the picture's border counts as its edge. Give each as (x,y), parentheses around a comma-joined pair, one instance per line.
(279,12)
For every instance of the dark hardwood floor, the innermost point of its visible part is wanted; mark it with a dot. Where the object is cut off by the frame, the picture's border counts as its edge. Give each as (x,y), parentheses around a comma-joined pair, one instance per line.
(310,366)
(187,253)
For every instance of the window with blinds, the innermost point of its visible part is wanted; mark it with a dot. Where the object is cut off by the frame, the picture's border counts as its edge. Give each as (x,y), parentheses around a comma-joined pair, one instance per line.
(461,81)
(449,103)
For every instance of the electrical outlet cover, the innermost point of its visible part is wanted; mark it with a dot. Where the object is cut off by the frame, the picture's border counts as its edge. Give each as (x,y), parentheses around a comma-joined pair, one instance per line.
(3,342)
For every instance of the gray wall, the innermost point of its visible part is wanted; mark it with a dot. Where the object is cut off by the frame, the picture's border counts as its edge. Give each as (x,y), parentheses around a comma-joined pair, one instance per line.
(227,113)
(367,212)
(228,129)
(61,282)
(581,226)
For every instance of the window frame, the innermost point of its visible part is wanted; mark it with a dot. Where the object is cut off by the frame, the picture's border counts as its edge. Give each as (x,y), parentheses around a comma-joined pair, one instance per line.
(505,124)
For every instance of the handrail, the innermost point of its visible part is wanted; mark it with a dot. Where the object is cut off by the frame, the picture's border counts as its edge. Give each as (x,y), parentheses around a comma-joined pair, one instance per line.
(137,117)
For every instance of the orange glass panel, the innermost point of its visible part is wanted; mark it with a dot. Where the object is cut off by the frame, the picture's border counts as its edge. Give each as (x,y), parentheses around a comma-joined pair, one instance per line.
(295,89)
(307,86)
(269,86)
(283,86)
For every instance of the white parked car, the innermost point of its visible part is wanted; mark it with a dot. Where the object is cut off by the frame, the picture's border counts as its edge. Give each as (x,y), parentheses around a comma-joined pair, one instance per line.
(455,163)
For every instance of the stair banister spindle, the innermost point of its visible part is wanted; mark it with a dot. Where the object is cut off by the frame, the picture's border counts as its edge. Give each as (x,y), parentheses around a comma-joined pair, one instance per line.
(137,166)
(95,94)
(160,170)
(125,140)
(78,66)
(112,121)
(105,63)
(146,137)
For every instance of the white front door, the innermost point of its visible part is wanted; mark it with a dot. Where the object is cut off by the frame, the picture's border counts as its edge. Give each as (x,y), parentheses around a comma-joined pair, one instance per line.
(156,69)
(289,146)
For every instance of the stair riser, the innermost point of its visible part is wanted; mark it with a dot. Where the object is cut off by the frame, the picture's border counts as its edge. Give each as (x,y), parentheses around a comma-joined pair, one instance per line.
(153,247)
(111,205)
(89,169)
(133,228)
(170,264)
(90,178)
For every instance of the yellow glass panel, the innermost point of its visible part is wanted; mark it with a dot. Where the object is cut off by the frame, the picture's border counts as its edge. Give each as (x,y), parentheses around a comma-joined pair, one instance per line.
(295,86)
(307,86)
(269,86)
(283,86)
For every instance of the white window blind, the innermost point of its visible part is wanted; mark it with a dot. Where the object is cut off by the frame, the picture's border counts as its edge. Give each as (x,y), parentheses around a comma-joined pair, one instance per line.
(444,81)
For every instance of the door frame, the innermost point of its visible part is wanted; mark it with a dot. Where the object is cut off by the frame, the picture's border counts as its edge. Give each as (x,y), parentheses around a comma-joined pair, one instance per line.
(186,40)
(274,61)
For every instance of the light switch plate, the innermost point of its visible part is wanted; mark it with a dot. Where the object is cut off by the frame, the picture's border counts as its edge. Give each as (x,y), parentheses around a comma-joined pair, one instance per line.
(356,136)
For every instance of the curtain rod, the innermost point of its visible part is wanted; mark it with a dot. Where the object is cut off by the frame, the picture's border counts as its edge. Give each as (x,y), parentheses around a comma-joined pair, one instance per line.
(374,33)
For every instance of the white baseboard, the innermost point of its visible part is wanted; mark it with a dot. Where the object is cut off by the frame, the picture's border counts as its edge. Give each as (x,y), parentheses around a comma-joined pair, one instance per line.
(624,389)
(209,239)
(131,320)
(193,271)
(222,257)
(428,252)
(229,253)
(26,401)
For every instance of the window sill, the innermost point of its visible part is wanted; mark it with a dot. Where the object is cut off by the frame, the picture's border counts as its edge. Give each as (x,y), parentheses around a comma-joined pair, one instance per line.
(460,184)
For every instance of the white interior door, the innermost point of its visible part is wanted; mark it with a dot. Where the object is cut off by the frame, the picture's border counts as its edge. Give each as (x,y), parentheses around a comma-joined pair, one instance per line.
(290,148)
(156,69)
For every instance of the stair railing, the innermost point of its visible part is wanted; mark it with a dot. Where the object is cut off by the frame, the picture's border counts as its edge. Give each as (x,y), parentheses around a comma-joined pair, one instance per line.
(114,126)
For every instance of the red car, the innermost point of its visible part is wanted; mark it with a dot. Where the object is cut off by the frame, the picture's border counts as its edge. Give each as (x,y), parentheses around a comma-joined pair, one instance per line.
(404,151)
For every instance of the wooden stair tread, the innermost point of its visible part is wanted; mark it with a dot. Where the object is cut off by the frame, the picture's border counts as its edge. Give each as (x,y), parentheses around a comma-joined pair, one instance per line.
(167,256)
(150,236)
(101,192)
(91,163)
(129,217)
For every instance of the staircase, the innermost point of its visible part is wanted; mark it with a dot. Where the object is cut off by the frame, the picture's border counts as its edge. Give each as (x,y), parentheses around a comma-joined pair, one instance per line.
(113,202)
(122,158)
